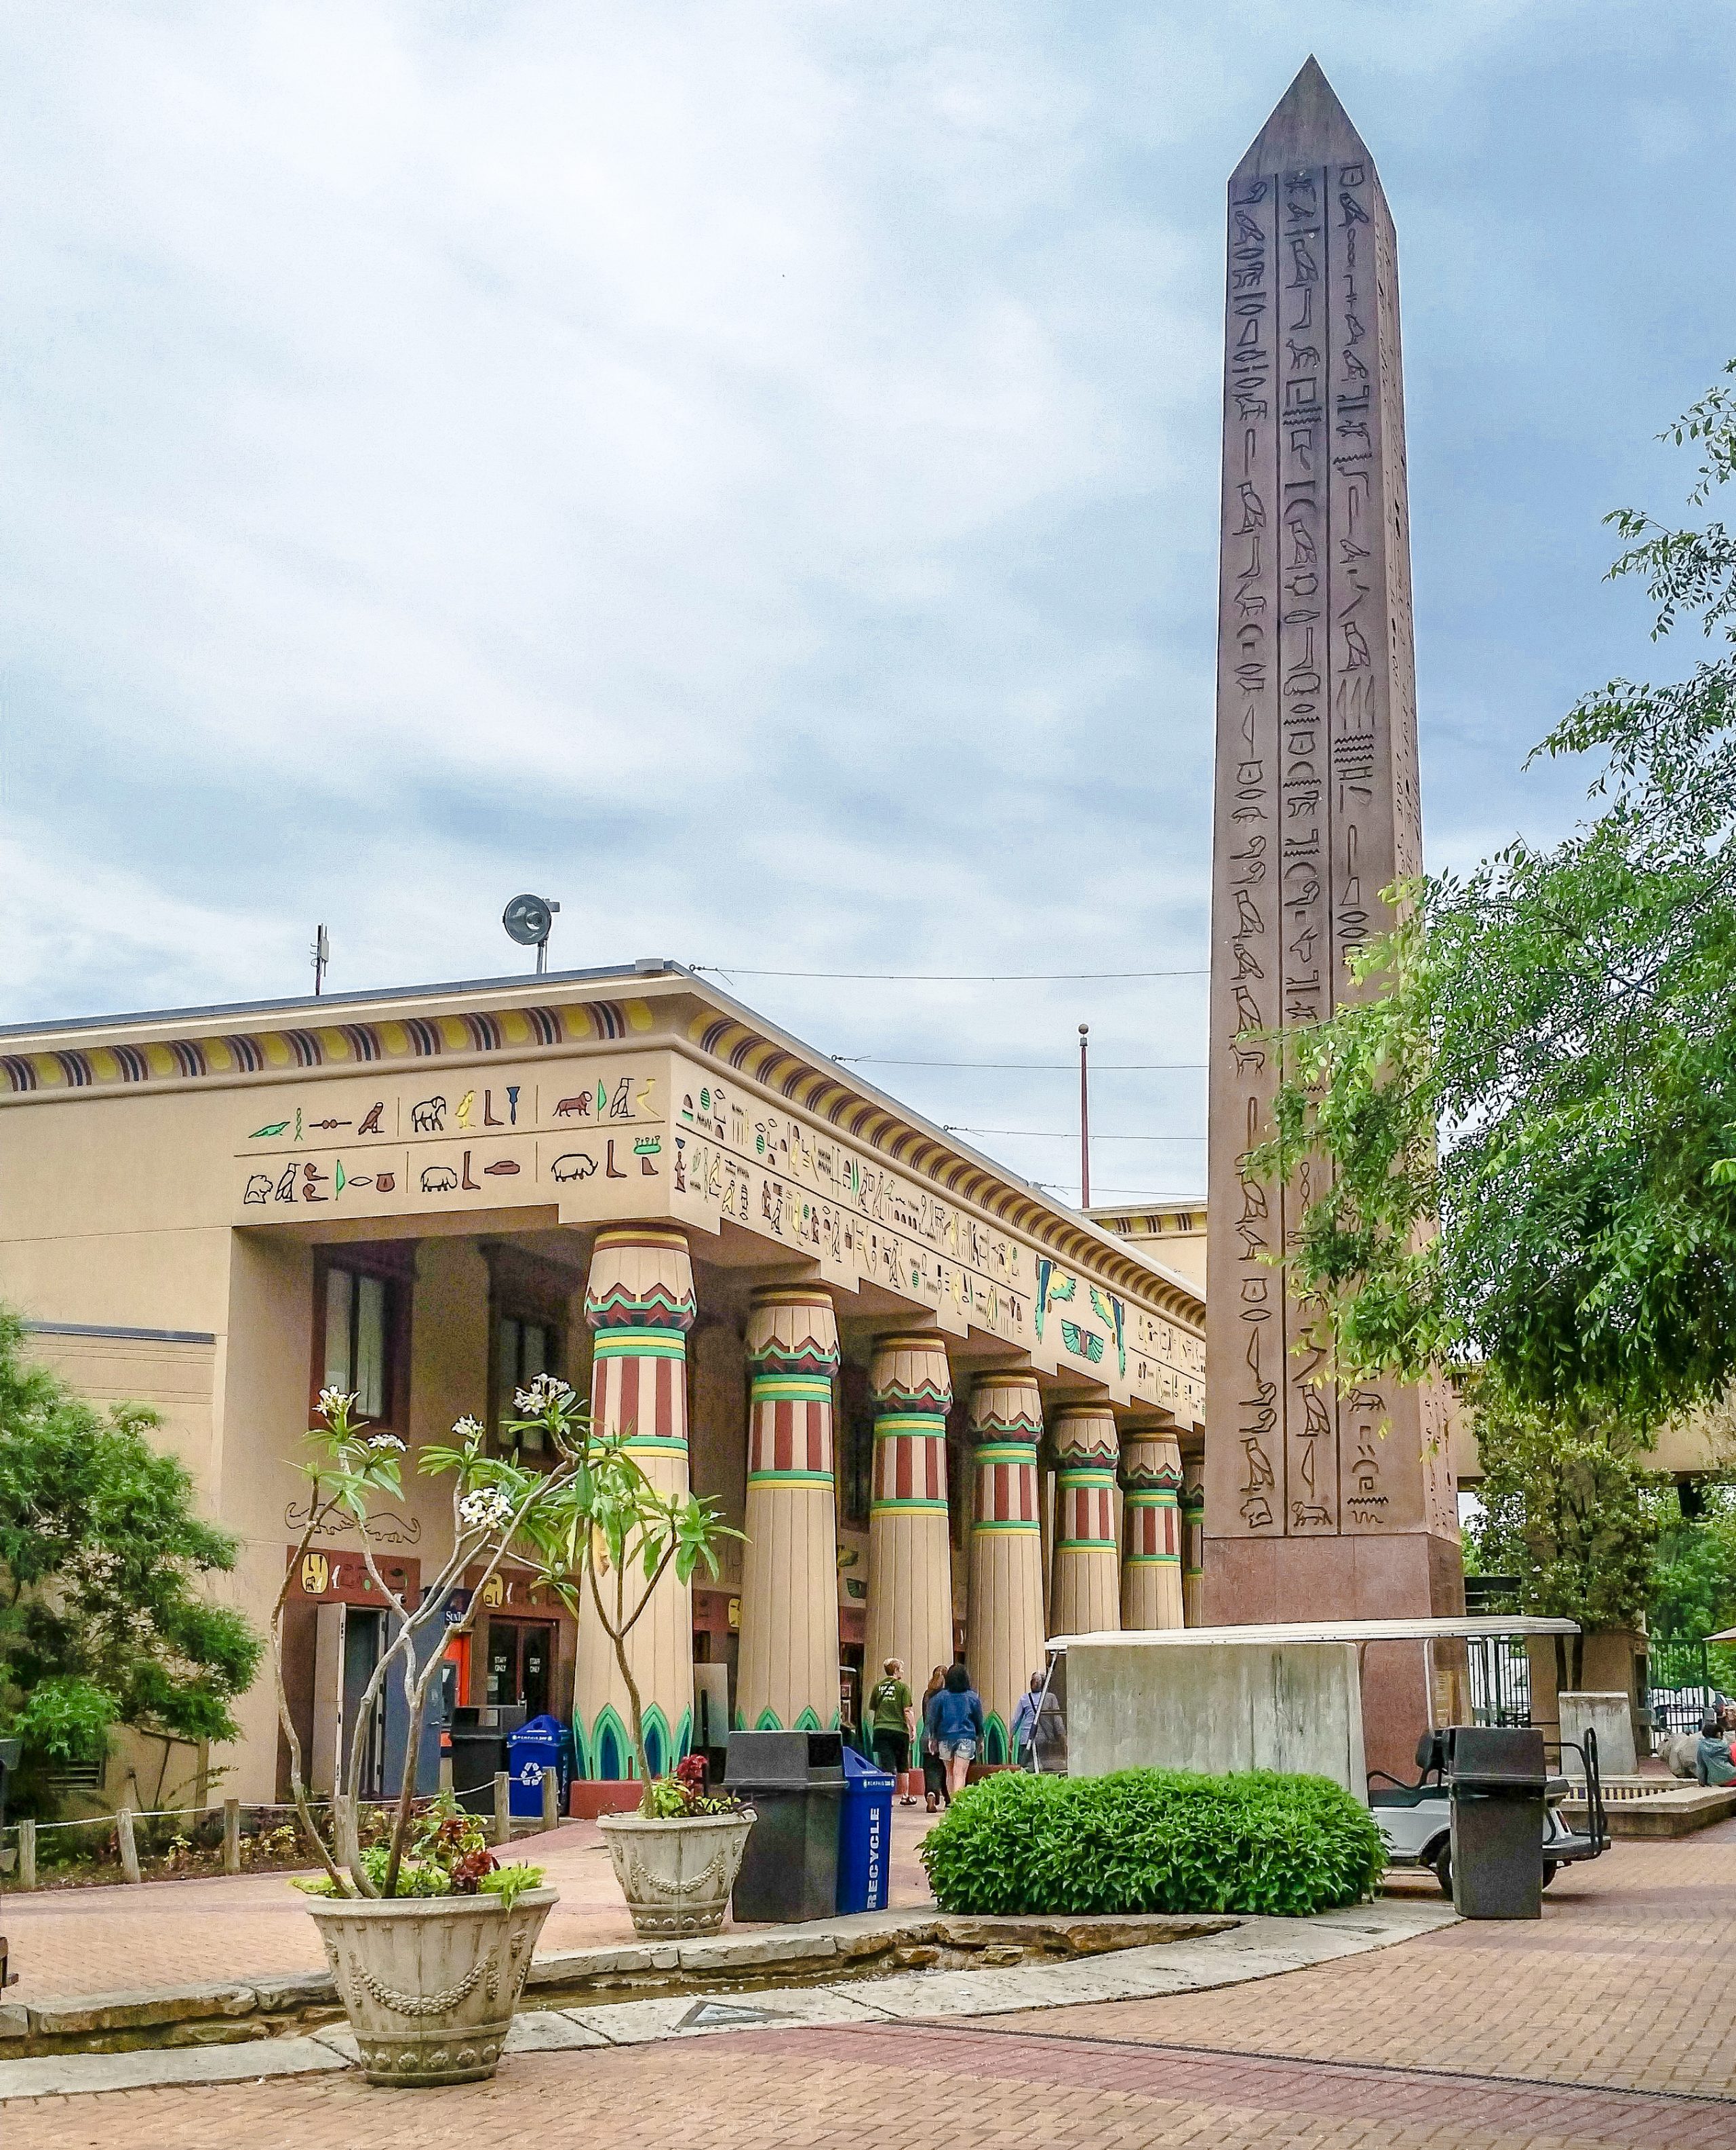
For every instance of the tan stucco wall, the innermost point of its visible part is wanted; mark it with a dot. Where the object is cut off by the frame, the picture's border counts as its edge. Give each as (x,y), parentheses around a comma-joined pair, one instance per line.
(140,1206)
(1175,1233)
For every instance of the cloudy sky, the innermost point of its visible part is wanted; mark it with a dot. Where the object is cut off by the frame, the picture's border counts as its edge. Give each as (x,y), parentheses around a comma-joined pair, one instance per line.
(748,471)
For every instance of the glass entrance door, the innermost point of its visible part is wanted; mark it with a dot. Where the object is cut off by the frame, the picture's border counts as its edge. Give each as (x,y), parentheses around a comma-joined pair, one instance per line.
(521,1664)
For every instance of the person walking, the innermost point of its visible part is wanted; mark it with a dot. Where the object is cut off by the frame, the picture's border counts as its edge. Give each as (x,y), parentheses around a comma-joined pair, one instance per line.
(891,1721)
(934,1770)
(954,1720)
(1024,1723)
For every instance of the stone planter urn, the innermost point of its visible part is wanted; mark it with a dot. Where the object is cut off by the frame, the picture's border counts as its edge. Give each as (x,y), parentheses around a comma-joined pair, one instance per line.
(430,1983)
(676,1876)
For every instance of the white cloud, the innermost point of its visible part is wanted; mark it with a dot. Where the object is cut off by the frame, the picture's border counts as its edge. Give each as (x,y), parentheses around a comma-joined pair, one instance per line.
(748,469)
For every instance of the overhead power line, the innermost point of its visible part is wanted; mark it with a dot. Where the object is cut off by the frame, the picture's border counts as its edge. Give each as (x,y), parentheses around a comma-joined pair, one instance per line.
(1031,1066)
(1063,1134)
(950,978)
(1126,1194)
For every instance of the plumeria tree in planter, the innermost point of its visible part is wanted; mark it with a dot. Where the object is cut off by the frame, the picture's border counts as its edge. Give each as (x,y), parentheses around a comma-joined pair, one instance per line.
(605,1543)
(429,1936)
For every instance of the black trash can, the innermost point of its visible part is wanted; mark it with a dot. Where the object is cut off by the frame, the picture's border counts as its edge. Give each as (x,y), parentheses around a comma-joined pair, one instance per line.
(794,1783)
(1495,1781)
(479,1737)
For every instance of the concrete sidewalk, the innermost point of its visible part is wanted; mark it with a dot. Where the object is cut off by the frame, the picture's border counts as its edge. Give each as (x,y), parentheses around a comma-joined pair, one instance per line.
(1187,1962)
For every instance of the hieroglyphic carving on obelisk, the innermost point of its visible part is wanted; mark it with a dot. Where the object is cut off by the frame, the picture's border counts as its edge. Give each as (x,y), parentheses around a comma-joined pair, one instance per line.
(1318,1504)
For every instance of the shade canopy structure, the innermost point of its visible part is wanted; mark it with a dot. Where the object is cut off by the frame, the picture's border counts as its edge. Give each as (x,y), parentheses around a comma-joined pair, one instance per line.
(1284,1696)
(1723,1635)
(1331,1631)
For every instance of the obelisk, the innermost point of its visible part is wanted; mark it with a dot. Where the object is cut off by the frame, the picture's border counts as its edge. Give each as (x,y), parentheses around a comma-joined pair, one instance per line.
(1318,1504)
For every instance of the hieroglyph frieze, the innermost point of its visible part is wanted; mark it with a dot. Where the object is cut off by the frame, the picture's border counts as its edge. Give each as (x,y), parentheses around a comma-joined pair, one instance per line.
(623,1135)
(734,1159)
(395,1148)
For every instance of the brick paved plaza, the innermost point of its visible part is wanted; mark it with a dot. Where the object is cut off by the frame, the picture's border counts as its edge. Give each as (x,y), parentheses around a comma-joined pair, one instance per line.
(1612,2022)
(68,1941)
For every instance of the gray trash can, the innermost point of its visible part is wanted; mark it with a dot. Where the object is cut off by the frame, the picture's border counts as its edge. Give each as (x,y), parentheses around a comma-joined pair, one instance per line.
(795,1782)
(1496,1780)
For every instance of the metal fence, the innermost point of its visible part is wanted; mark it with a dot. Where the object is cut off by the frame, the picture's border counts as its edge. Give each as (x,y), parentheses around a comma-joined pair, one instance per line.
(1499,1680)
(1681,1684)
(234,1838)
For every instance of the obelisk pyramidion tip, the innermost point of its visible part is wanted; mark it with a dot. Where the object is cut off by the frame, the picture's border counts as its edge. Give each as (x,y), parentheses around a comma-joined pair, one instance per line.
(1308,126)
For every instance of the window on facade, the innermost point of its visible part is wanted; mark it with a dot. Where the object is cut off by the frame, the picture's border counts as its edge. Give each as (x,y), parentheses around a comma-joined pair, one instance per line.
(524,1347)
(359,1313)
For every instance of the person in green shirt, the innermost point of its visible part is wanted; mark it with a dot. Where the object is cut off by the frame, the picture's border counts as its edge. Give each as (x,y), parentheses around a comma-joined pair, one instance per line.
(891,1720)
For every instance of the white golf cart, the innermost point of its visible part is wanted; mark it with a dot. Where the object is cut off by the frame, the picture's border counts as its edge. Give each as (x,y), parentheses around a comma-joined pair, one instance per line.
(1416,1820)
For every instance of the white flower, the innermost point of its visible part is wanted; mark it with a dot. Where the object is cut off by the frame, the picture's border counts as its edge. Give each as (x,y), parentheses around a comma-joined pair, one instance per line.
(486,1509)
(332,1402)
(468,1428)
(546,1389)
(386,1441)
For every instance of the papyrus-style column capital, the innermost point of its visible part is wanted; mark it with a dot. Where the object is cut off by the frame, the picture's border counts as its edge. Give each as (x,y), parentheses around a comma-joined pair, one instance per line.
(788,1679)
(1087,1594)
(1150,1566)
(1005,1616)
(910,1555)
(639,1301)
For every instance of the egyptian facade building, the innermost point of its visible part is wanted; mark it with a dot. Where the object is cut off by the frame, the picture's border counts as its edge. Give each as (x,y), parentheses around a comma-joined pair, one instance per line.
(917,1384)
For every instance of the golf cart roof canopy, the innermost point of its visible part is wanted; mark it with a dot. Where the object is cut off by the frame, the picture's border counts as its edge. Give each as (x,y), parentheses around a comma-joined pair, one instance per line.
(1320,1631)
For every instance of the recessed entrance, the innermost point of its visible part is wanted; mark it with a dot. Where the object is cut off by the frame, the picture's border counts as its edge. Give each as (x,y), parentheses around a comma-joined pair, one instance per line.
(520,1663)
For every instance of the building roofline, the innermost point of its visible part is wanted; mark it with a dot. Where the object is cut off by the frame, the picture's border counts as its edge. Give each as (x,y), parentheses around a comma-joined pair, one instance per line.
(646,971)
(318,1003)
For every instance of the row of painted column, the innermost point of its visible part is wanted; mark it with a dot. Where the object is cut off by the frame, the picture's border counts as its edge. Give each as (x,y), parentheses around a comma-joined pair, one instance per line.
(639,1301)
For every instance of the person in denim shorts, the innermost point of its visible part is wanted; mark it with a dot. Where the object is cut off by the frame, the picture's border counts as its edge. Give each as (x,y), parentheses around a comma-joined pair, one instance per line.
(955,1725)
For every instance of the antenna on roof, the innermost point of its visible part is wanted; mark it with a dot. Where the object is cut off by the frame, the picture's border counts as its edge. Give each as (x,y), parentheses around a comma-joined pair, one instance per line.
(1084,1115)
(321,954)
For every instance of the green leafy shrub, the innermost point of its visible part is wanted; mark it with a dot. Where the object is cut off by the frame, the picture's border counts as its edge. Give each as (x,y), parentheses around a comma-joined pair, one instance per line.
(1153,1840)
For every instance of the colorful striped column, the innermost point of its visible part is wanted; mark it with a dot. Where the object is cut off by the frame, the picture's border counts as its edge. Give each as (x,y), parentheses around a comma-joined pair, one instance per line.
(1193,1539)
(788,1676)
(1086,1596)
(1005,1627)
(910,1550)
(1151,1521)
(639,1301)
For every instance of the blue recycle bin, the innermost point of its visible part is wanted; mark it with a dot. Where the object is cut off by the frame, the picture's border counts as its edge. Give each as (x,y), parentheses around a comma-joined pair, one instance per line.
(865,1836)
(543,1745)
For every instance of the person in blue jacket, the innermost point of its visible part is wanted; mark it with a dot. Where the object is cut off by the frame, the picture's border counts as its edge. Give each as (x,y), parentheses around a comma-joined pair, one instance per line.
(955,1725)
(1712,1760)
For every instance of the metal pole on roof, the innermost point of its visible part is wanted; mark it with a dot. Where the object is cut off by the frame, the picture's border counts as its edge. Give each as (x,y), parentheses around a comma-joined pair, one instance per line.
(1084,1115)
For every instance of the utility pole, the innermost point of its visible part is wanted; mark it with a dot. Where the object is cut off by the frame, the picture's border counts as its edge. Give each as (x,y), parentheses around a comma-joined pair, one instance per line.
(1084,1115)
(322,956)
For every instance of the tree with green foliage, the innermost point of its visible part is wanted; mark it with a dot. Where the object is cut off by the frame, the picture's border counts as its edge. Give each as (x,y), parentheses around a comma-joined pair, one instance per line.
(1570,1512)
(1693,1578)
(1528,1119)
(105,1620)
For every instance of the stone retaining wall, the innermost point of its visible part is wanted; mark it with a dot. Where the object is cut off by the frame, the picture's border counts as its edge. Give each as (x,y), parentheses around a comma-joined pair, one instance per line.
(248,2010)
